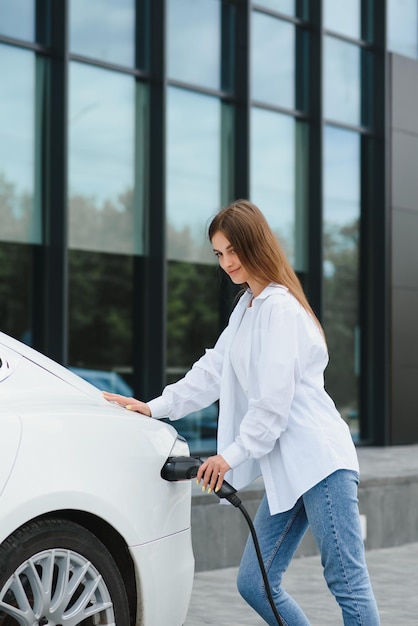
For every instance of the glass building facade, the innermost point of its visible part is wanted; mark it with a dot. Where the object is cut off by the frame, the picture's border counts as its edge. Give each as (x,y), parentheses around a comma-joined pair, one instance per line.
(126,124)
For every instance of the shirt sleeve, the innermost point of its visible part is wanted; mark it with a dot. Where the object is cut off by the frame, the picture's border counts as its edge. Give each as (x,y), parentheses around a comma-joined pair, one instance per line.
(281,348)
(198,389)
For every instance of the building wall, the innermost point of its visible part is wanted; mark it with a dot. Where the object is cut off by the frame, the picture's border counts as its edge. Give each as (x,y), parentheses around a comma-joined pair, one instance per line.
(403,85)
(108,178)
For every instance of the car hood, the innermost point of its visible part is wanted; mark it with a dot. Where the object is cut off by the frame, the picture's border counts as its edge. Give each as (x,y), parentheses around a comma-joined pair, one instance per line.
(11,352)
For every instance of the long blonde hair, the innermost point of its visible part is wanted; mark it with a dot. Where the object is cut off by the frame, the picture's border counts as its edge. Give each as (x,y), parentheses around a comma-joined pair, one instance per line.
(248,231)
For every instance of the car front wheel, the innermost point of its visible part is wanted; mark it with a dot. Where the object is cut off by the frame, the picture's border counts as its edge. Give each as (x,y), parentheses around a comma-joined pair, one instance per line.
(55,572)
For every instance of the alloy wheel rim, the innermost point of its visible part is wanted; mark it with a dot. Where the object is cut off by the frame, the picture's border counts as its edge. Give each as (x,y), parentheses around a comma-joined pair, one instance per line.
(56,587)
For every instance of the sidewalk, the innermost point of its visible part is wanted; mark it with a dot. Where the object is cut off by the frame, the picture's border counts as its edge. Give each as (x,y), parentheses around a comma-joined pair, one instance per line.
(394,574)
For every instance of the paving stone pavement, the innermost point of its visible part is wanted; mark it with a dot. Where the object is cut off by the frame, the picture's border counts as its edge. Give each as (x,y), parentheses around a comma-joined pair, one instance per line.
(393,571)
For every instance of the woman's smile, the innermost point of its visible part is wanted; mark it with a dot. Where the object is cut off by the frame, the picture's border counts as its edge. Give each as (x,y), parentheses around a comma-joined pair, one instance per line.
(228,259)
(230,262)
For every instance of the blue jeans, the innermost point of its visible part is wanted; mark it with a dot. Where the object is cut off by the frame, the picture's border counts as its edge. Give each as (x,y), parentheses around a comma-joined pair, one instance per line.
(330,508)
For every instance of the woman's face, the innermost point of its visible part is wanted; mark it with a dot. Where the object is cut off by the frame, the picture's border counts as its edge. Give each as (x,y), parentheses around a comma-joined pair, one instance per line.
(229,260)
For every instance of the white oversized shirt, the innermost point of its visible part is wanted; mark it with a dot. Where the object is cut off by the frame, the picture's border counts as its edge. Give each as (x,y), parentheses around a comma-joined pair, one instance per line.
(283,424)
(241,349)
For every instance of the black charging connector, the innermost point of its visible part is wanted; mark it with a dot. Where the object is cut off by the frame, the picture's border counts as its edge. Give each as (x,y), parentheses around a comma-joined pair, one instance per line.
(180,468)
(185,468)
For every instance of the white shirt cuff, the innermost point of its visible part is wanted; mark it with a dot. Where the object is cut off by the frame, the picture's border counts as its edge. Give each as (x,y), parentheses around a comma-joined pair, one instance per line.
(158,407)
(234,455)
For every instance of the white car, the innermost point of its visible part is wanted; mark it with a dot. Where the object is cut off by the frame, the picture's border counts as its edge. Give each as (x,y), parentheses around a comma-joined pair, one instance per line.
(89,531)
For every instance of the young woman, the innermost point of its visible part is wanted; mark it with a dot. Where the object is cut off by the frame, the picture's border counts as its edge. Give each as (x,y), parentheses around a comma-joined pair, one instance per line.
(276,418)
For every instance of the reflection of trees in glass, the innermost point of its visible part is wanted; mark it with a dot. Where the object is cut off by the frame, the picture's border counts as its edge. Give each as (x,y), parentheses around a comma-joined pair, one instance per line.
(287,242)
(184,246)
(100,310)
(16,212)
(341,268)
(15,285)
(107,227)
(192,315)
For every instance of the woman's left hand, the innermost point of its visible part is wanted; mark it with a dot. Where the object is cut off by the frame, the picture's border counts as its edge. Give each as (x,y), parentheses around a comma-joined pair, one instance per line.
(212,472)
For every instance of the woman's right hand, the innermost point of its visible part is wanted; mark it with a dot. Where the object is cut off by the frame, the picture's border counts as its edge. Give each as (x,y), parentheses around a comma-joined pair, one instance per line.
(131,404)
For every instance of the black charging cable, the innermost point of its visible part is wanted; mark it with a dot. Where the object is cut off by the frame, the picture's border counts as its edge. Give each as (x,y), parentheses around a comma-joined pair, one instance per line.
(185,468)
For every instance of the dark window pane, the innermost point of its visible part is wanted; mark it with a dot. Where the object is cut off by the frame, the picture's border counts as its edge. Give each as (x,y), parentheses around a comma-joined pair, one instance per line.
(16,279)
(100,316)
(103,29)
(192,326)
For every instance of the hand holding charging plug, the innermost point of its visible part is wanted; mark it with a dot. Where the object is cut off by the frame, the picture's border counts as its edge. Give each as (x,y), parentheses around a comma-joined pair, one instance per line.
(212,472)
(186,467)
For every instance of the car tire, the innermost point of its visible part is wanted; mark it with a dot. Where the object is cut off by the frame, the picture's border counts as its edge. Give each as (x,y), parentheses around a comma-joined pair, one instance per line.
(54,571)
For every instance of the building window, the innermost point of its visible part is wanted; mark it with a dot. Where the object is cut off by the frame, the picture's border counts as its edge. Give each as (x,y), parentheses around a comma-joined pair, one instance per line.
(272,61)
(278,178)
(105,207)
(236,110)
(343,18)
(341,268)
(402,27)
(17,19)
(342,93)
(192,325)
(100,322)
(103,30)
(280,6)
(194,29)
(193,172)
(17,268)
(20,214)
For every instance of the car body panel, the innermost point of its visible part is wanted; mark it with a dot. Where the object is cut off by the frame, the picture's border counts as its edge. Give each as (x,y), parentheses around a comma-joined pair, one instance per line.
(153,560)
(67,449)
(10,434)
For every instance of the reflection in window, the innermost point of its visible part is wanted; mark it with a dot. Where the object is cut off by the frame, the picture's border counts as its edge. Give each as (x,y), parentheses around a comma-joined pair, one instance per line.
(342,81)
(341,268)
(17,19)
(194,179)
(402,27)
(281,6)
(100,315)
(272,60)
(194,42)
(103,29)
(105,212)
(343,17)
(279,179)
(15,290)
(192,326)
(19,219)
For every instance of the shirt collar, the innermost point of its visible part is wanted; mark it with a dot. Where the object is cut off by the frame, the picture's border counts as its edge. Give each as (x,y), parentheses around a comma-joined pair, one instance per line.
(271,289)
